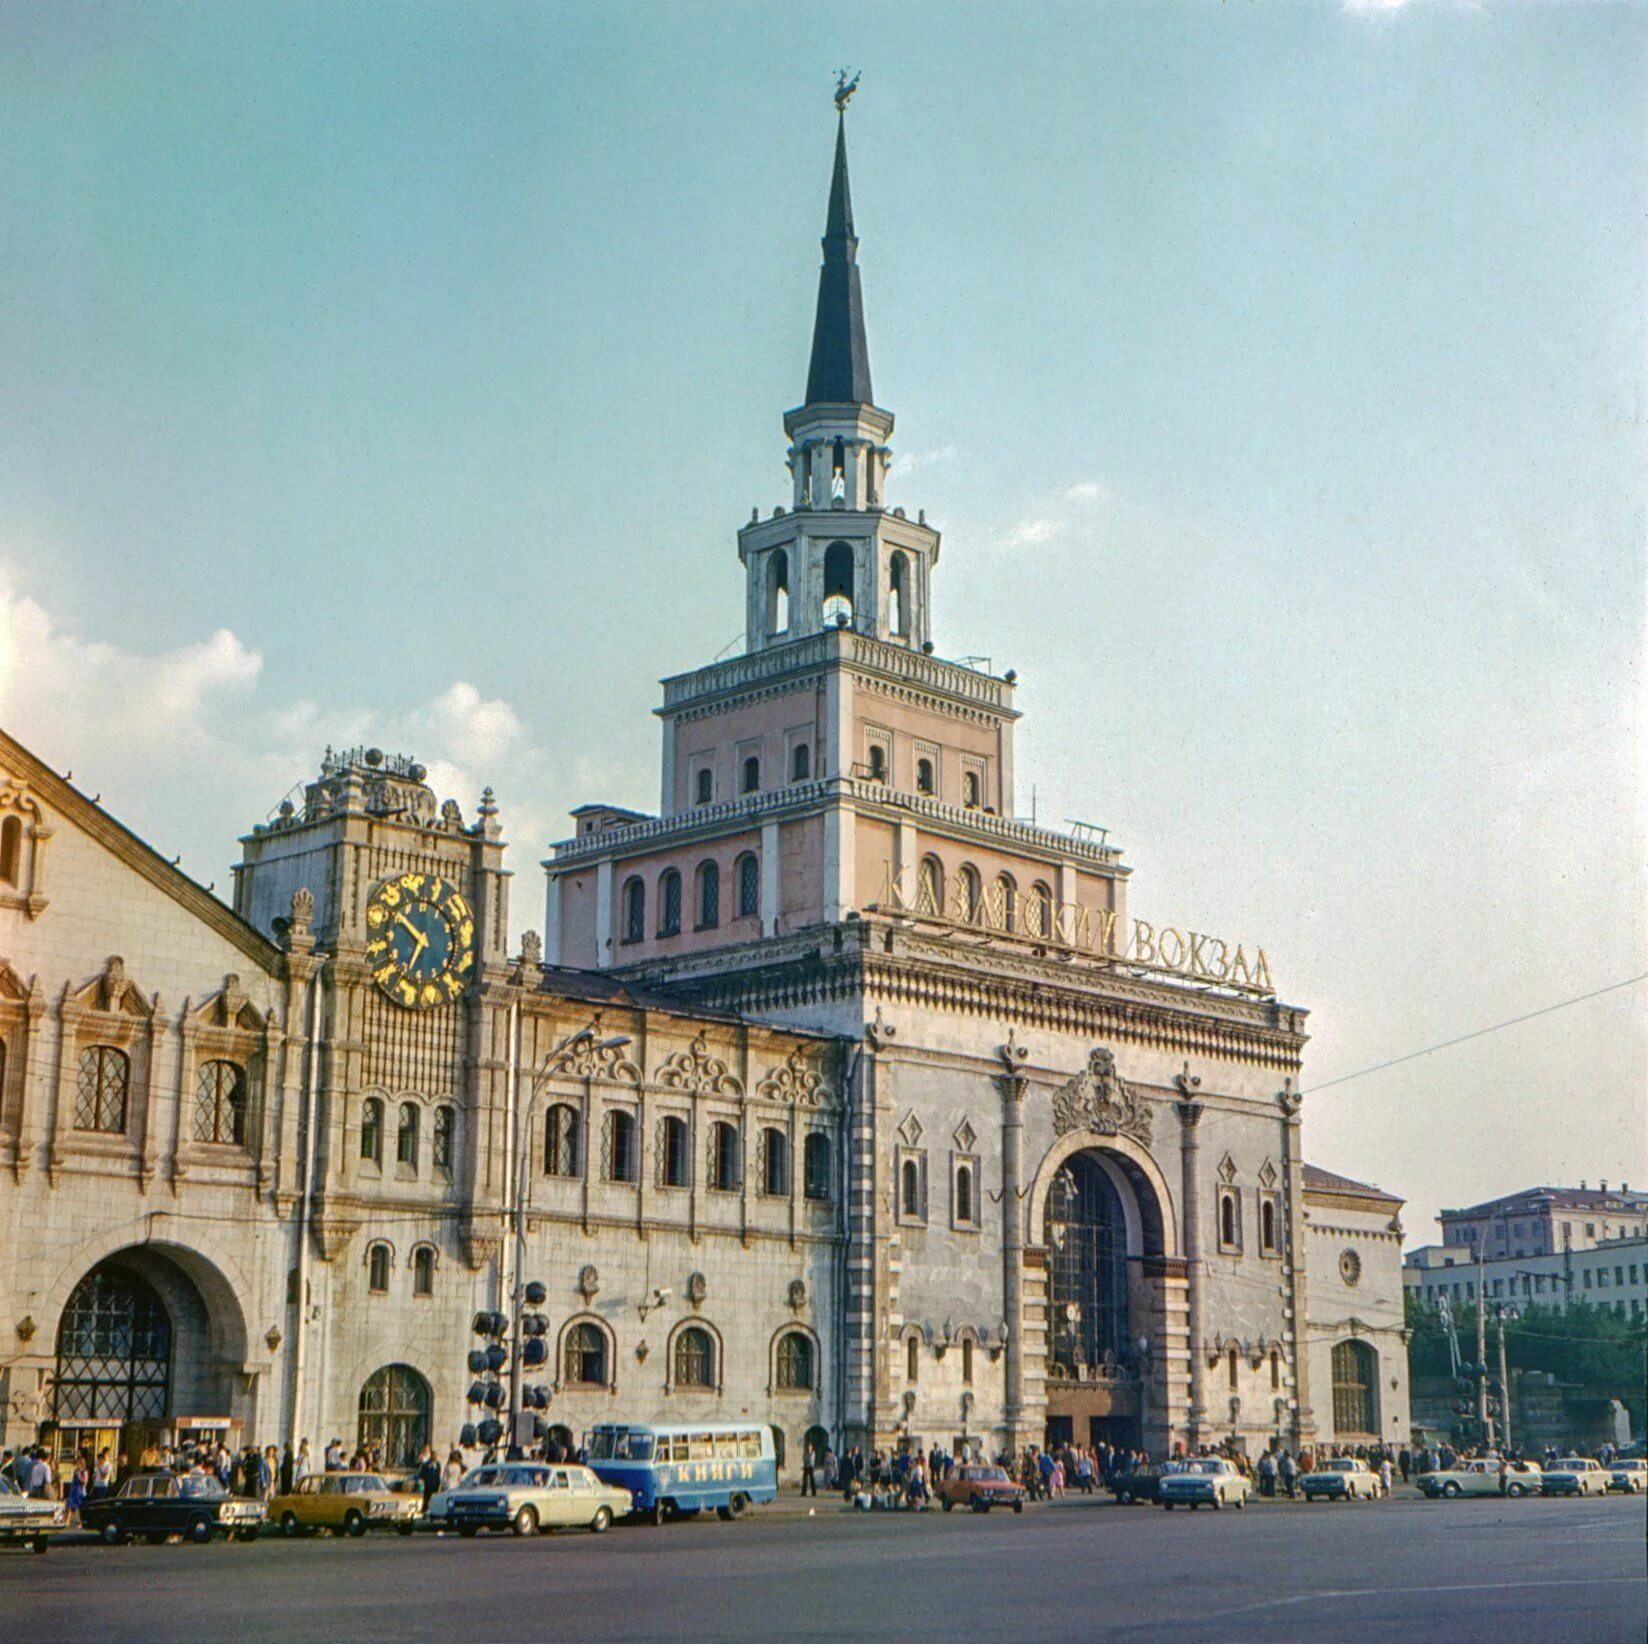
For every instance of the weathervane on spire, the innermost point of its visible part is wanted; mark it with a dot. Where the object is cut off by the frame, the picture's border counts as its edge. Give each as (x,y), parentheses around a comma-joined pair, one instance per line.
(844,89)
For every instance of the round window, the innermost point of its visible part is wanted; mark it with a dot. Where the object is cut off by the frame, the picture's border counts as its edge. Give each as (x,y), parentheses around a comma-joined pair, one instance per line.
(1350,1267)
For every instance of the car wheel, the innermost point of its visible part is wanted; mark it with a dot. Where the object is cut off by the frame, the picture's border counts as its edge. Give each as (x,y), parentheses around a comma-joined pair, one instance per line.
(289,1525)
(1241,1502)
(525,1522)
(469,1531)
(602,1520)
(246,1535)
(113,1532)
(948,1504)
(1450,1490)
(156,1538)
(1125,1497)
(353,1523)
(1018,1506)
(200,1529)
(1513,1489)
(40,1543)
(1167,1506)
(656,1513)
(406,1527)
(1218,1502)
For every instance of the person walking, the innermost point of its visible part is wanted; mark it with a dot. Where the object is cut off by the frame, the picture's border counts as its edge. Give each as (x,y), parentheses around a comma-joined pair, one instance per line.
(1289,1470)
(809,1481)
(428,1475)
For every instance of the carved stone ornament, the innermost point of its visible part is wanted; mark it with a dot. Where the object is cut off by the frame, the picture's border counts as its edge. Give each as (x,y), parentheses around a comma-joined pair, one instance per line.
(880,1032)
(532,950)
(697,1288)
(302,911)
(1100,1100)
(798,1294)
(695,1069)
(114,983)
(588,1058)
(589,1280)
(481,1243)
(794,1083)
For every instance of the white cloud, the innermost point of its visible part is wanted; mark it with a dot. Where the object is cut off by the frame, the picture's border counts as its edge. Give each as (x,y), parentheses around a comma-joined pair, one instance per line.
(1030,533)
(185,747)
(910,462)
(1087,491)
(1057,514)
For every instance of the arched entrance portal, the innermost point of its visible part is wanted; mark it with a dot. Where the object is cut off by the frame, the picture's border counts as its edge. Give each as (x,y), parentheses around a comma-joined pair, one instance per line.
(1086,1270)
(114,1351)
(394,1414)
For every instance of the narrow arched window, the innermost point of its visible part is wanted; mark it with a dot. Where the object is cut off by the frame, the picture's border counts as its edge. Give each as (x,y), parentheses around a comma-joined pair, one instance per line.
(775,1162)
(705,791)
(622,1160)
(1039,915)
(967,1359)
(440,1146)
(220,1104)
(838,470)
(101,1089)
(910,1197)
(778,598)
(1006,911)
(930,887)
(635,910)
(838,585)
(406,1137)
(423,1271)
(377,1269)
(751,781)
(749,885)
(970,790)
(724,1172)
(795,1361)
(815,1155)
(1227,1219)
(709,896)
(669,903)
(801,762)
(1275,1369)
(673,1155)
(1233,1369)
(878,762)
(371,1130)
(1267,1225)
(971,900)
(694,1358)
(924,776)
(912,1358)
(561,1139)
(964,1193)
(898,593)
(11,849)
(586,1355)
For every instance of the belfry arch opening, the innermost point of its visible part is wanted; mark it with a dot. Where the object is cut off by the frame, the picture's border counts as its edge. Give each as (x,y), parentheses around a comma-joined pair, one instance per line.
(838,585)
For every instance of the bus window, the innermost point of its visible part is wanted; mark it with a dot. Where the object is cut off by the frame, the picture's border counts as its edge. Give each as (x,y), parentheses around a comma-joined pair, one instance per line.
(631,1447)
(749,1446)
(726,1446)
(700,1447)
(598,1446)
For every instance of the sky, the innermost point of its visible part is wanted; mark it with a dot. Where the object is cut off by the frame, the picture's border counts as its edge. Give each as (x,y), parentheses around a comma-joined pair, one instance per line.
(1275,374)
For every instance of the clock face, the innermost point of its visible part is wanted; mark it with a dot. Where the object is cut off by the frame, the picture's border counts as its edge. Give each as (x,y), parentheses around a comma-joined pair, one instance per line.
(420,940)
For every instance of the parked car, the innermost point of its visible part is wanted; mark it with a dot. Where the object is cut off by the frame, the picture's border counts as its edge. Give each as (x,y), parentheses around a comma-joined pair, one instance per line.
(1576,1476)
(1208,1481)
(346,1504)
(980,1488)
(26,1520)
(1480,1476)
(1142,1484)
(158,1505)
(1629,1476)
(1340,1478)
(526,1497)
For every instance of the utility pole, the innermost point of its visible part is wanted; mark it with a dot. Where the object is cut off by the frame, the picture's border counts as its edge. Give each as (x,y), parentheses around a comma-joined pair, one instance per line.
(1481,1367)
(1504,1386)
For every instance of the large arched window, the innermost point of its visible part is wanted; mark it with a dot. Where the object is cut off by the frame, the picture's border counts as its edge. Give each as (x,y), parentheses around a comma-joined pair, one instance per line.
(406,1136)
(694,1358)
(561,1138)
(778,592)
(101,1089)
(440,1146)
(748,871)
(1355,1372)
(220,1104)
(751,780)
(371,1130)
(669,903)
(775,1162)
(795,1361)
(930,887)
(838,585)
(1086,1238)
(585,1358)
(898,594)
(709,895)
(622,1155)
(724,1172)
(815,1175)
(635,909)
(114,1351)
(394,1414)
(674,1155)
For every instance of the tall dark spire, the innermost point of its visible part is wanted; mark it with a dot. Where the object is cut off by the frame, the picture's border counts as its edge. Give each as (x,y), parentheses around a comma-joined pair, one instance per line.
(840,369)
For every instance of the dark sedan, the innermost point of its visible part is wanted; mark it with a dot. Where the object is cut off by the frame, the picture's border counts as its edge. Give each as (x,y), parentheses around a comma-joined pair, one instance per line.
(158,1505)
(1142,1484)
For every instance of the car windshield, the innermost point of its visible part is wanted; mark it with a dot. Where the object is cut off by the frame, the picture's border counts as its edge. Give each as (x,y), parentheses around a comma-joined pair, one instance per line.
(1340,1467)
(531,1477)
(201,1486)
(992,1475)
(481,1475)
(1205,1466)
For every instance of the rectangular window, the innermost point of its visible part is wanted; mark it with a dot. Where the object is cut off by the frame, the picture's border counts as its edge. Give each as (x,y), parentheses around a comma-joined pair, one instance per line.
(1619,1276)
(1587,1278)
(1602,1278)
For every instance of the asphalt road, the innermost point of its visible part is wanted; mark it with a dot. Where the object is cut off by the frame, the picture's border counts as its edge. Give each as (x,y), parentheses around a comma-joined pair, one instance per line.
(1571,1571)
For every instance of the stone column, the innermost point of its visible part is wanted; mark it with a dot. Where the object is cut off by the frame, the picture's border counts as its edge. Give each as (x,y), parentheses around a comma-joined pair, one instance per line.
(1293,1174)
(1190,1114)
(1012,1237)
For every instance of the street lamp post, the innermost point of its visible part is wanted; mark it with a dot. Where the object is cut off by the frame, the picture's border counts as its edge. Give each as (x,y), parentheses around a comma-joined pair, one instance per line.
(550,1065)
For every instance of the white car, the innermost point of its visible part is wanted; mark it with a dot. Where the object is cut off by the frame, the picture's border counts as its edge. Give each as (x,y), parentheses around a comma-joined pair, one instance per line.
(1340,1478)
(1576,1476)
(526,1497)
(1480,1476)
(1206,1481)
(1629,1476)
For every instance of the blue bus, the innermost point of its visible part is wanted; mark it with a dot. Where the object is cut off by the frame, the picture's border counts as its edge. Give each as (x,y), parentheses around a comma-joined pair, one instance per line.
(678,1471)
